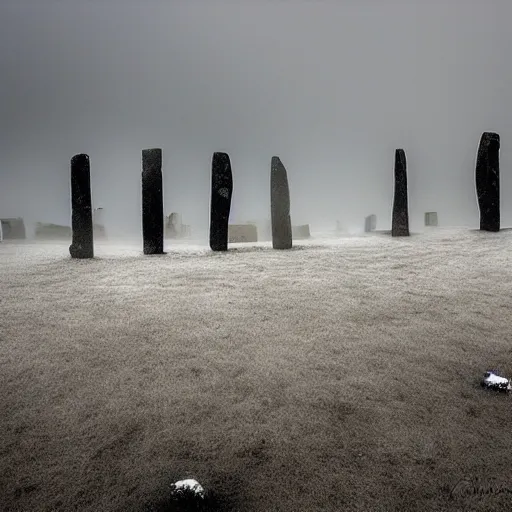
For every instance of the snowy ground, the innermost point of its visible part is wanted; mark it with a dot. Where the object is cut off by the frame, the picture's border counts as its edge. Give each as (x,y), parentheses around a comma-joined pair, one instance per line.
(340,375)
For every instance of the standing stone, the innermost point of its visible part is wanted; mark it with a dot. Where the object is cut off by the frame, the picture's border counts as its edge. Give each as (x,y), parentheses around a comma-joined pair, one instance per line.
(280,206)
(82,245)
(220,206)
(152,202)
(173,225)
(488,181)
(301,232)
(431,219)
(370,223)
(400,223)
(13,228)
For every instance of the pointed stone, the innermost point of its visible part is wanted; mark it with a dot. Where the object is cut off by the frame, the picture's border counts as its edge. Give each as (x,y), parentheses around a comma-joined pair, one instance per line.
(220,205)
(280,206)
(82,245)
(152,202)
(488,181)
(400,222)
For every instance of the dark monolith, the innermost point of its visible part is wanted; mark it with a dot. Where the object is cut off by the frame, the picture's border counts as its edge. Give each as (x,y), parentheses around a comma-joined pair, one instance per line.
(81,209)
(488,181)
(220,206)
(400,222)
(280,206)
(152,202)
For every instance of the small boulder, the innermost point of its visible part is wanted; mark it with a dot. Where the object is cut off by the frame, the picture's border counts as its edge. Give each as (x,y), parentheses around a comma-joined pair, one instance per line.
(493,381)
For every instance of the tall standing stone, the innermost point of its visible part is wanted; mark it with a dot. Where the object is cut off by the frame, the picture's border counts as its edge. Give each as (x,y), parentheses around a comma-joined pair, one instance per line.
(280,206)
(488,181)
(152,202)
(220,206)
(82,245)
(400,222)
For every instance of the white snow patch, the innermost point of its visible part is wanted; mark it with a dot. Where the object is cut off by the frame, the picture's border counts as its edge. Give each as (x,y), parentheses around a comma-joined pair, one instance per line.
(493,379)
(191,484)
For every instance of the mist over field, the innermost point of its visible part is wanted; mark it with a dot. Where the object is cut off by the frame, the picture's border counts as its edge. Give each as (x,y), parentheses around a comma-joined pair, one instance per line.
(332,87)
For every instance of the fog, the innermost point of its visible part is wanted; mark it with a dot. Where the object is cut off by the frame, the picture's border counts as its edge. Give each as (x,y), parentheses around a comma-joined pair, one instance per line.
(331,87)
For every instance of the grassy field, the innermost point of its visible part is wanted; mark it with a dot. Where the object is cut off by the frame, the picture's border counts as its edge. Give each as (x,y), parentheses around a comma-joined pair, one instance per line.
(342,375)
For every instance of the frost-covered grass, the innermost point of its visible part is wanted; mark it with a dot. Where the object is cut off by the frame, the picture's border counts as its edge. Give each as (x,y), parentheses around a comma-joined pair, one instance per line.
(340,375)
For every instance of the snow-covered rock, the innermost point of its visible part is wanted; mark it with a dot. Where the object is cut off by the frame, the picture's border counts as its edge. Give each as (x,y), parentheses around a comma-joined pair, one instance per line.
(191,485)
(491,380)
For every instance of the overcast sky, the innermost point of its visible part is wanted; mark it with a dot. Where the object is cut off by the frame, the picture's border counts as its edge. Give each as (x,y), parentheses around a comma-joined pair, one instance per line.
(330,86)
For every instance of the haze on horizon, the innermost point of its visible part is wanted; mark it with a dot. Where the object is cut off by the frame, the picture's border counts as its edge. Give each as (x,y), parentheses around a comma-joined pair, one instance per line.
(331,87)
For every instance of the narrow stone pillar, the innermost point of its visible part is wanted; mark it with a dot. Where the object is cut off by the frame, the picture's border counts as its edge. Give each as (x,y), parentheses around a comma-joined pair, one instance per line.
(82,245)
(400,222)
(220,206)
(488,181)
(280,206)
(152,202)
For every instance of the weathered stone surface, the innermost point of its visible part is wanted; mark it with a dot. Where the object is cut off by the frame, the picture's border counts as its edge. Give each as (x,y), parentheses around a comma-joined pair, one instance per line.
(400,222)
(370,223)
(82,245)
(242,233)
(13,229)
(280,206)
(301,232)
(152,202)
(431,219)
(220,206)
(488,181)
